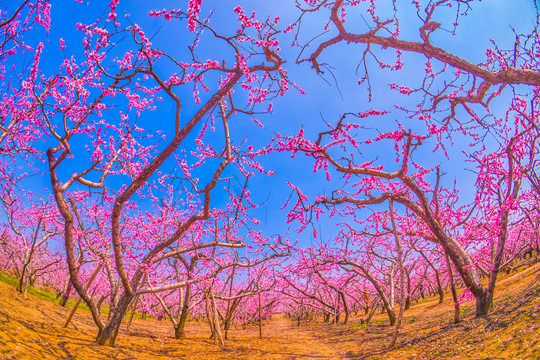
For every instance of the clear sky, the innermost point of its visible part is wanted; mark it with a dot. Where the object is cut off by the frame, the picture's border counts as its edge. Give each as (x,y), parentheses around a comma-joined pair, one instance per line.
(327,97)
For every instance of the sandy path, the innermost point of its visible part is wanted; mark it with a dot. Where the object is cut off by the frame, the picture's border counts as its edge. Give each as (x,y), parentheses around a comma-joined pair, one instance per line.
(284,340)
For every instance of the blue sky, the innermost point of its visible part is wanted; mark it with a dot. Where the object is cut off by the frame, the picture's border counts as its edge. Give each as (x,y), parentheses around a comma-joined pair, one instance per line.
(489,19)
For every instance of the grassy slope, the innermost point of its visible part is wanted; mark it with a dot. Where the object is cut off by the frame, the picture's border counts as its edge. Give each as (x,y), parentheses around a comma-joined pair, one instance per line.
(31,328)
(47,295)
(10,280)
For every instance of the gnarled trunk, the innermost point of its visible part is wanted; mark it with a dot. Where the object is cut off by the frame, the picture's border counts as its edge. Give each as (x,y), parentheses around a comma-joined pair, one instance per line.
(391,316)
(108,335)
(408,303)
(484,302)
(440,291)
(22,278)
(457,311)
(179,330)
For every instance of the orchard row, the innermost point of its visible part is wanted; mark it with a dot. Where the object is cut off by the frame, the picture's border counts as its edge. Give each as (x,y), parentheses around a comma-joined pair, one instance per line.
(133,162)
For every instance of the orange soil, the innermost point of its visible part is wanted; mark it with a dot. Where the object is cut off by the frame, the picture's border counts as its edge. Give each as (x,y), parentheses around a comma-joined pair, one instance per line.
(510,331)
(31,329)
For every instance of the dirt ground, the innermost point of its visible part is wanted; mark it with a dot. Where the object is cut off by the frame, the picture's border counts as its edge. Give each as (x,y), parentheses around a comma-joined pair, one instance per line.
(510,331)
(31,328)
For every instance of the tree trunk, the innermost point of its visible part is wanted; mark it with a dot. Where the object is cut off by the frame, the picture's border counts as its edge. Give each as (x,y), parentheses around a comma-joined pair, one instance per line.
(65,297)
(326,317)
(457,311)
(228,317)
(215,322)
(210,318)
(22,278)
(370,316)
(28,259)
(391,316)
(99,303)
(408,303)
(107,336)
(180,330)
(408,297)
(484,303)
(345,307)
(260,317)
(401,277)
(133,310)
(459,256)
(441,293)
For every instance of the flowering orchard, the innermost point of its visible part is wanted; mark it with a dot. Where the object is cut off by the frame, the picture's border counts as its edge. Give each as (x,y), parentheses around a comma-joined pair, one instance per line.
(151,146)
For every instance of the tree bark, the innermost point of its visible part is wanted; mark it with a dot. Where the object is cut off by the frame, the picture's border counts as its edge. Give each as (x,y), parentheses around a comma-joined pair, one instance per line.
(96,272)
(440,291)
(345,307)
(133,310)
(228,317)
(108,335)
(179,331)
(370,316)
(454,292)
(260,317)
(484,303)
(65,293)
(401,276)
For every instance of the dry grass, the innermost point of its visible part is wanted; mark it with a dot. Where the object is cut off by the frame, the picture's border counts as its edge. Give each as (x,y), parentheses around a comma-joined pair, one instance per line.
(31,329)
